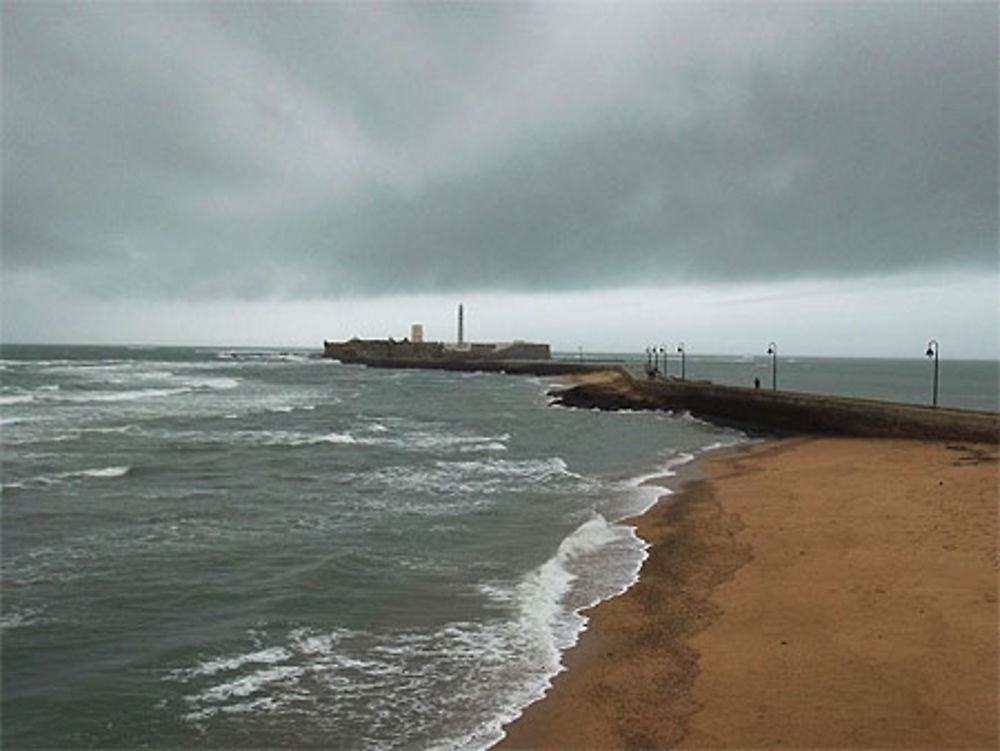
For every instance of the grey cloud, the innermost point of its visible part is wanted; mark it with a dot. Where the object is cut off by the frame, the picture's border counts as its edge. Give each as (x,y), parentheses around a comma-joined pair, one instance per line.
(287,149)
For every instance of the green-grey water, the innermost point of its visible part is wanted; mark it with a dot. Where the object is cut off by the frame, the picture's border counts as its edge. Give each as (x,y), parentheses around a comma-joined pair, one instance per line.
(210,548)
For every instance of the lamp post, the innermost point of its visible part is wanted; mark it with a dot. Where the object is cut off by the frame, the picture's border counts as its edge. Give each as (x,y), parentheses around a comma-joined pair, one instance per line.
(649,359)
(680,348)
(666,369)
(772,350)
(656,359)
(932,351)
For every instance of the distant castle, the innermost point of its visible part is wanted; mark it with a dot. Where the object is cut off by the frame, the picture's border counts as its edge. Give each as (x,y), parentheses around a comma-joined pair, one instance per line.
(415,349)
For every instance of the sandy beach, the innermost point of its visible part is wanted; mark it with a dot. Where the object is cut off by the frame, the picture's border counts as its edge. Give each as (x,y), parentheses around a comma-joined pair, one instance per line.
(811,593)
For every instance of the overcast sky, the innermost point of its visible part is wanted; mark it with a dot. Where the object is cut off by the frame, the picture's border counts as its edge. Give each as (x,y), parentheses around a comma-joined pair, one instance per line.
(609,176)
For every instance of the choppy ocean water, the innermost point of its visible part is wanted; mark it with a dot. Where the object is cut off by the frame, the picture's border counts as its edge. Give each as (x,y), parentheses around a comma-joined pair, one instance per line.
(207,548)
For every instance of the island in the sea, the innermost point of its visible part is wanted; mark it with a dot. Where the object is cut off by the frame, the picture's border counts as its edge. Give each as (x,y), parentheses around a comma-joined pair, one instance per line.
(413,349)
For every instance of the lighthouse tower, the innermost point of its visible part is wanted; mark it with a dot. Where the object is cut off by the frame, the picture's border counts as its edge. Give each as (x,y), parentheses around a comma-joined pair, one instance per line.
(461,326)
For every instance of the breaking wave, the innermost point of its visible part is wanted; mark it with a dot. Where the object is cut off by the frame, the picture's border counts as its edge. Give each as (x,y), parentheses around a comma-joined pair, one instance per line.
(101,473)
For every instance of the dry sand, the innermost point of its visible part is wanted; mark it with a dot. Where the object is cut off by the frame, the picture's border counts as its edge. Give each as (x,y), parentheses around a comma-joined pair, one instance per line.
(815,593)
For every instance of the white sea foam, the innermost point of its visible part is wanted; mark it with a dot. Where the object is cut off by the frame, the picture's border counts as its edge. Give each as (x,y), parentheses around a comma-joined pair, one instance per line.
(129,381)
(20,617)
(61,477)
(48,565)
(427,437)
(539,597)
(734,441)
(268,656)
(551,622)
(252,356)
(373,678)
(126,395)
(666,471)
(246,685)
(261,704)
(430,441)
(542,593)
(311,643)
(472,480)
(104,472)
(11,399)
(46,437)
(291,438)
(271,676)
(218,383)
(333,437)
(493,667)
(649,485)
(129,428)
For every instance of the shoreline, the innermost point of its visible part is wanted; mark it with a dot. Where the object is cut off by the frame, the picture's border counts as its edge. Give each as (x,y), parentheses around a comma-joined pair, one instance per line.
(663,485)
(728,638)
(583,704)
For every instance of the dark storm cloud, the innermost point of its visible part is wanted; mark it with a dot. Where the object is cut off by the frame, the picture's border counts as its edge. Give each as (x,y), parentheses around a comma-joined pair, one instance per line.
(250,150)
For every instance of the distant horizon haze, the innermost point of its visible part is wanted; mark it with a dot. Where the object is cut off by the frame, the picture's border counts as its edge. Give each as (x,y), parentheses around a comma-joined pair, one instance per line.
(563,354)
(892,318)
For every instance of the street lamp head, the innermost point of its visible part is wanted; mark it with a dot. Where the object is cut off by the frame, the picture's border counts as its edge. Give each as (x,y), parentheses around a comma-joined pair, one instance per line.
(680,347)
(930,352)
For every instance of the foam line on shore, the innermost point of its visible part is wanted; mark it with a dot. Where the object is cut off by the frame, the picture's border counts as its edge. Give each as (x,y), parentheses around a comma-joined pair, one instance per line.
(650,489)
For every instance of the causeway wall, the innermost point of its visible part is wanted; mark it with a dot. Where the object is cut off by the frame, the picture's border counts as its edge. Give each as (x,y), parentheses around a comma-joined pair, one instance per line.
(784,412)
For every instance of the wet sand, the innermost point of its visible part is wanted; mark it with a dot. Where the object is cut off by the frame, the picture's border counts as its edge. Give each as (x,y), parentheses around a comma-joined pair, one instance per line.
(814,593)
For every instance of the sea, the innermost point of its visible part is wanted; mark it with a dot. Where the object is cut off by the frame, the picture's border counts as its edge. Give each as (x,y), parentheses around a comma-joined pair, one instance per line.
(231,548)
